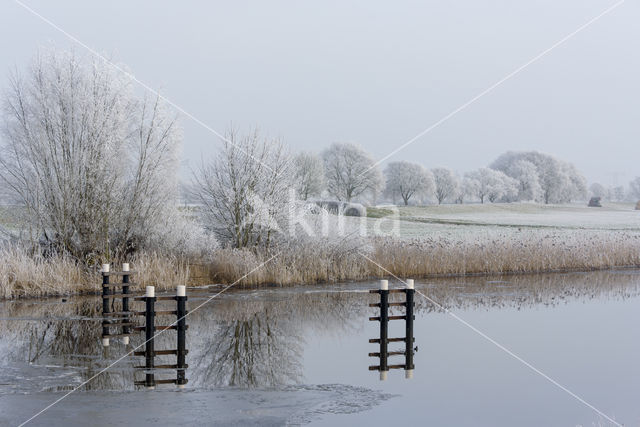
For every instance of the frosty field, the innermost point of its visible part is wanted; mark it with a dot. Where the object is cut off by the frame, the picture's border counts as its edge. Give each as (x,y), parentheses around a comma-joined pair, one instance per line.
(465,220)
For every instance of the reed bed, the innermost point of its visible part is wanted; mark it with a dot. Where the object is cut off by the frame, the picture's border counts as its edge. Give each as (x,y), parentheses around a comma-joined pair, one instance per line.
(25,275)
(494,253)
(317,261)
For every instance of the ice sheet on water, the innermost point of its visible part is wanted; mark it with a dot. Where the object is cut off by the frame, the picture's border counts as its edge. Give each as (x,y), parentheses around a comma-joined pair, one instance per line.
(293,405)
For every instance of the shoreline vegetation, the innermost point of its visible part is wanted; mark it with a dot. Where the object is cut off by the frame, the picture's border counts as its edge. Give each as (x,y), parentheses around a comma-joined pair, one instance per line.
(492,253)
(90,174)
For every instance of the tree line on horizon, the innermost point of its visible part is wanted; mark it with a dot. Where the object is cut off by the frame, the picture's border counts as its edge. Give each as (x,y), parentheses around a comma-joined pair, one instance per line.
(346,172)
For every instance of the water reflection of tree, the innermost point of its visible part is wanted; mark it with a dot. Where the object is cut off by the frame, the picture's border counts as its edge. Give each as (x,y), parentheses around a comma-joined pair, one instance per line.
(258,343)
(258,351)
(62,334)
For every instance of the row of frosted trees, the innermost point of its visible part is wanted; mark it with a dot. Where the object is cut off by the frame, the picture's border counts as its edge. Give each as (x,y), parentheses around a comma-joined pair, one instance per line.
(346,172)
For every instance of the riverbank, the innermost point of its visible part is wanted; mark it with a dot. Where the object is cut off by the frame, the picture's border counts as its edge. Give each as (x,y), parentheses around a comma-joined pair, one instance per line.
(419,242)
(494,252)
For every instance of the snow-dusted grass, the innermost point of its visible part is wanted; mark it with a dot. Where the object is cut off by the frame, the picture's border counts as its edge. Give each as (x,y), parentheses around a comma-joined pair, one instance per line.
(610,217)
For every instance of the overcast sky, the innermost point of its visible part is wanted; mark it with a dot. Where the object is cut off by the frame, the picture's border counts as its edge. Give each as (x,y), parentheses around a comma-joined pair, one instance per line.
(375,73)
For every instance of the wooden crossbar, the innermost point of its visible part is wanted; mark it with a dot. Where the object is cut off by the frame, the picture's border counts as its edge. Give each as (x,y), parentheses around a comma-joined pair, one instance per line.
(162,367)
(377,340)
(119,273)
(377,367)
(389,353)
(113,285)
(390,318)
(159,352)
(391,291)
(169,381)
(391,304)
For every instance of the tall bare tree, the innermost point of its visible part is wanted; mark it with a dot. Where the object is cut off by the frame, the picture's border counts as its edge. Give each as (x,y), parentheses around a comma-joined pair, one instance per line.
(94,166)
(244,190)
(634,188)
(350,171)
(309,175)
(446,182)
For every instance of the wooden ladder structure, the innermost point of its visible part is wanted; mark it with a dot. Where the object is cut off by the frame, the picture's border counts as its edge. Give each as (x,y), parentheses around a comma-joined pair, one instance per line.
(383,354)
(124,319)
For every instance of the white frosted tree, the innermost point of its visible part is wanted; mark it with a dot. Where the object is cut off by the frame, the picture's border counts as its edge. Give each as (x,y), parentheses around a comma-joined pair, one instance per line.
(492,185)
(94,166)
(309,175)
(350,172)
(446,184)
(616,194)
(634,188)
(243,191)
(559,181)
(468,189)
(526,173)
(507,191)
(598,190)
(405,180)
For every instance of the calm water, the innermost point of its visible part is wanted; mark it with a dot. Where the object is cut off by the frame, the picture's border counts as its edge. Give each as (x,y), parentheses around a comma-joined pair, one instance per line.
(300,356)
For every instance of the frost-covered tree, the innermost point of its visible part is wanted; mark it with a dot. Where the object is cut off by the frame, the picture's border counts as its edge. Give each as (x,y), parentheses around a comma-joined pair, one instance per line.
(526,174)
(634,188)
(616,194)
(243,191)
(598,190)
(405,179)
(93,165)
(492,184)
(309,175)
(350,172)
(559,181)
(468,189)
(446,184)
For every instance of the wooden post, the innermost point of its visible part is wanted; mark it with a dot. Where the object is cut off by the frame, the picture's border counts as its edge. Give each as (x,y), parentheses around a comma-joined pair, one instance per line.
(125,301)
(149,353)
(181,298)
(106,309)
(384,324)
(410,291)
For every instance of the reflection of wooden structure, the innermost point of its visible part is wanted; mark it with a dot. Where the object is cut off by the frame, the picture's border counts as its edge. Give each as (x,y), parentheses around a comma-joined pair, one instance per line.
(115,319)
(151,330)
(384,339)
(125,317)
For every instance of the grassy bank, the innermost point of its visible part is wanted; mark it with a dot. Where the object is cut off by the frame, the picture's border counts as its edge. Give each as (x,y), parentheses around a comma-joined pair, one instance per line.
(496,252)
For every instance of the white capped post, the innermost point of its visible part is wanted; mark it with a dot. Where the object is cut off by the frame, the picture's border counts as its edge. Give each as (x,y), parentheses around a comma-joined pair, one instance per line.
(151,292)
(125,340)
(105,268)
(410,284)
(181,291)
(384,285)
(105,342)
(125,267)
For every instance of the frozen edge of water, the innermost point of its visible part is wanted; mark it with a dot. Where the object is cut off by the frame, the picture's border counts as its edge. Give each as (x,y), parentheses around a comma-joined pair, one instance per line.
(292,405)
